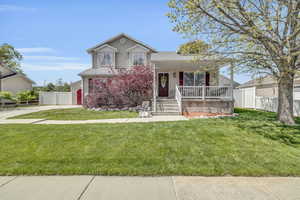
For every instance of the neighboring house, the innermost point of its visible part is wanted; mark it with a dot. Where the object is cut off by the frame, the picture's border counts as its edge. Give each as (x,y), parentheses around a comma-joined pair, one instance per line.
(13,81)
(267,86)
(225,81)
(180,84)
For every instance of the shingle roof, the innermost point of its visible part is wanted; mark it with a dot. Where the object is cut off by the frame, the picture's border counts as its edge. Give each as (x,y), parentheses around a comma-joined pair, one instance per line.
(174,56)
(267,80)
(15,74)
(119,36)
(97,71)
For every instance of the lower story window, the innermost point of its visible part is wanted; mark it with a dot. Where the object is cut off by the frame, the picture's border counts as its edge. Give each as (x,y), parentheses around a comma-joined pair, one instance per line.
(91,86)
(193,78)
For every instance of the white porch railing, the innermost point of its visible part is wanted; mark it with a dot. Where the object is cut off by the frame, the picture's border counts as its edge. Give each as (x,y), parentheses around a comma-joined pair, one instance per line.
(203,92)
(178,98)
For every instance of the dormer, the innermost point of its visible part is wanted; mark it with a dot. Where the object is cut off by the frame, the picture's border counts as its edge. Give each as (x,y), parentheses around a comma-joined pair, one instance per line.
(138,55)
(120,51)
(104,56)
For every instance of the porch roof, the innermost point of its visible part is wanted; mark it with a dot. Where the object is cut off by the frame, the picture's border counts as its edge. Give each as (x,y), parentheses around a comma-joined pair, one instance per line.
(96,71)
(175,61)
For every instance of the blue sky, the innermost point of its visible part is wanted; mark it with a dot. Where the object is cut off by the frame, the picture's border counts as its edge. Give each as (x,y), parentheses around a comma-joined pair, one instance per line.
(53,35)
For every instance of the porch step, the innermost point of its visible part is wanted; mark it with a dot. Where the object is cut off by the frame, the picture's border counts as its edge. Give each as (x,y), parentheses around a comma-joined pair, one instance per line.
(167,101)
(167,107)
(165,113)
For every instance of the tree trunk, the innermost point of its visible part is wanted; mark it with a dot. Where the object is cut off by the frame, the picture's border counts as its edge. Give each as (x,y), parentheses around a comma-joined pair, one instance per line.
(285,99)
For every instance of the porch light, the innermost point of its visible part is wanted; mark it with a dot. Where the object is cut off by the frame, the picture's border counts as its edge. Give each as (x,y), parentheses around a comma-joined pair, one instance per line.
(174,74)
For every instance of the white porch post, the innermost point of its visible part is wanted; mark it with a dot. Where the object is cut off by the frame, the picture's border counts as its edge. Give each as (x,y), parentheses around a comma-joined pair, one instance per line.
(204,86)
(231,78)
(154,88)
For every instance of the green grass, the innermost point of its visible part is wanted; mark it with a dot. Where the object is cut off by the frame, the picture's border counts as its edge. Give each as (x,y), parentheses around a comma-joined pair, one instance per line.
(76,114)
(253,144)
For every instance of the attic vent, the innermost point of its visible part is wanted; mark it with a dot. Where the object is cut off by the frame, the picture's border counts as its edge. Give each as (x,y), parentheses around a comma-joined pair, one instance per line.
(123,40)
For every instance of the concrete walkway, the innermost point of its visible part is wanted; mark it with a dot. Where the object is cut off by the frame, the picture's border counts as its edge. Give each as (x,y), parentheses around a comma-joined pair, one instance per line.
(11,112)
(25,110)
(99,121)
(148,188)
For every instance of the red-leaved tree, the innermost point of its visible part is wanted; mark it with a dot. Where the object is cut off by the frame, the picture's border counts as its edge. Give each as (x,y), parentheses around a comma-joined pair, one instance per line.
(128,87)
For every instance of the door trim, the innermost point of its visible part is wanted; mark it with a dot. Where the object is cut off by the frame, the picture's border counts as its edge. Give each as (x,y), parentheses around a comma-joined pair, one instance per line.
(157,83)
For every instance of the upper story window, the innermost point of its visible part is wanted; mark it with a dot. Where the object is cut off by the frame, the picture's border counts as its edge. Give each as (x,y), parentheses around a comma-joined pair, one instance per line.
(138,58)
(106,58)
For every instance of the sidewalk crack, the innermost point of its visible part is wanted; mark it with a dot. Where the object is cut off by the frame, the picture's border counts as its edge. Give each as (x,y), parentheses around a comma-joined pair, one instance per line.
(175,189)
(7,182)
(39,121)
(85,188)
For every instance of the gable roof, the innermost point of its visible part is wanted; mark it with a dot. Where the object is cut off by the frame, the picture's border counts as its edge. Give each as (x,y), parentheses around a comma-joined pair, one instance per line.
(19,75)
(266,80)
(117,37)
(137,46)
(13,74)
(227,81)
(2,67)
(107,45)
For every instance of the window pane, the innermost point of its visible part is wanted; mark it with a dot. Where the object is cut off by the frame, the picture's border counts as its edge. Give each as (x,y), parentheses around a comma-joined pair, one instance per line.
(138,58)
(199,78)
(188,78)
(106,58)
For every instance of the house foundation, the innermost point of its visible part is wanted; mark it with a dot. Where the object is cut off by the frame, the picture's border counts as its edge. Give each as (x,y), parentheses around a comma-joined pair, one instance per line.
(218,106)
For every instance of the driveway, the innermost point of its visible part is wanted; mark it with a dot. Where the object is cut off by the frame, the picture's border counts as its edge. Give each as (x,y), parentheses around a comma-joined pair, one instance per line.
(25,110)
(148,188)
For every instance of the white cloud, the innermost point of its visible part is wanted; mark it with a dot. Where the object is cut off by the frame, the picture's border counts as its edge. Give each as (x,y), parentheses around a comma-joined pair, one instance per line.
(6,7)
(54,66)
(50,58)
(36,50)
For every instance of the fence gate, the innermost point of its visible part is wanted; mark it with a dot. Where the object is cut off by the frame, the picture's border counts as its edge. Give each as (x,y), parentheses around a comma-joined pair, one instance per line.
(55,98)
(244,97)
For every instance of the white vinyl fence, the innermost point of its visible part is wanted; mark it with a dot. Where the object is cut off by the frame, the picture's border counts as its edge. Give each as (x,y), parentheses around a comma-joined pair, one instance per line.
(55,98)
(246,98)
(297,95)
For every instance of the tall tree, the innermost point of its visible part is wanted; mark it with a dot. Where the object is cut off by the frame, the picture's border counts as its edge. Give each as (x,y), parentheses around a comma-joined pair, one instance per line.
(193,47)
(10,57)
(263,36)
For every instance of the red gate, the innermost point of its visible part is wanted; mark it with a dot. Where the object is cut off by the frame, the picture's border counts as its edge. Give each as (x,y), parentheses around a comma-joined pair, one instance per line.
(79,97)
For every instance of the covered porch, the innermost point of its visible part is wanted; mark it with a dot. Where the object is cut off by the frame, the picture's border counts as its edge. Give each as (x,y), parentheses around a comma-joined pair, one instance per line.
(194,85)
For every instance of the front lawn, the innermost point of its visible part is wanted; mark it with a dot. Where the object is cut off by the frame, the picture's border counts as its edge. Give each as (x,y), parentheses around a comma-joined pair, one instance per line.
(76,114)
(252,144)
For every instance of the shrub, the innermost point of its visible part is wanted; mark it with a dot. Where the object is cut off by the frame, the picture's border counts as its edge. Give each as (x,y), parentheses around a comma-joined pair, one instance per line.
(6,95)
(127,87)
(26,96)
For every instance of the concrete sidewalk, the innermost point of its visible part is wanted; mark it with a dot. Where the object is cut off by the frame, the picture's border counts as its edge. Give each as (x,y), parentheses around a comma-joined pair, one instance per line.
(148,188)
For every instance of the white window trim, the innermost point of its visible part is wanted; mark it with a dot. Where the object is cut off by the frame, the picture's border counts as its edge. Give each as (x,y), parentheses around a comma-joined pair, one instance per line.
(130,49)
(98,60)
(101,50)
(132,57)
(194,77)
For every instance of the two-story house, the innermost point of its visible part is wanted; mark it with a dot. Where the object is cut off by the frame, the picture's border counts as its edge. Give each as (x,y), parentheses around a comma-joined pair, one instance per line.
(181,84)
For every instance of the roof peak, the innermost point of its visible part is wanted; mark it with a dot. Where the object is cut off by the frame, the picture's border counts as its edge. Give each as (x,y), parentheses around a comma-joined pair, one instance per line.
(118,36)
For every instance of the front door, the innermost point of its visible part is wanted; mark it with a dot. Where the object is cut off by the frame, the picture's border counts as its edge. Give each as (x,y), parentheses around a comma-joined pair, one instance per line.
(163,84)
